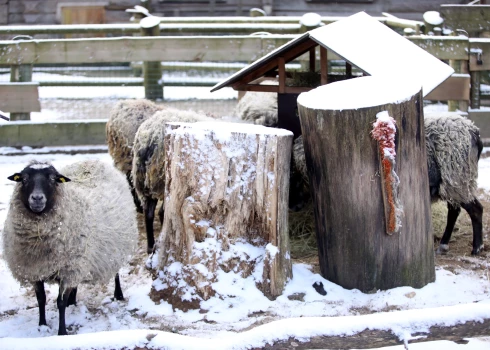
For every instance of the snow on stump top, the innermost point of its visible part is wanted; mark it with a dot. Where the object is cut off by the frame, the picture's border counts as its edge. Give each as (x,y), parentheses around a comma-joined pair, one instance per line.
(225,211)
(365,154)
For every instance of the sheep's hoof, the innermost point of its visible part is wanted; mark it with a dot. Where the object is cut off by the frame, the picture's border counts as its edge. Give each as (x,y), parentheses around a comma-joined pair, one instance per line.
(442,249)
(476,251)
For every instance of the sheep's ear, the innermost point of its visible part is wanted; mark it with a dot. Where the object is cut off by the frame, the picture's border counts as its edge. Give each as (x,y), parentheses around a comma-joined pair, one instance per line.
(61,179)
(17,177)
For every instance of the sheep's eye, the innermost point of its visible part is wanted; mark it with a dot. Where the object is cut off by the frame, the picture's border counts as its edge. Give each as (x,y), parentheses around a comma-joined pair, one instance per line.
(25,181)
(52,178)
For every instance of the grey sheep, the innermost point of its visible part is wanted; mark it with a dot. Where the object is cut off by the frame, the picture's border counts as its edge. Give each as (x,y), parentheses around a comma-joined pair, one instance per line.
(70,227)
(124,120)
(148,169)
(453,149)
(258,107)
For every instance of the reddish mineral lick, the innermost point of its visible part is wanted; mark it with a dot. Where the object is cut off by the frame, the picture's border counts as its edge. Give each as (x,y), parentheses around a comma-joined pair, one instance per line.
(384,132)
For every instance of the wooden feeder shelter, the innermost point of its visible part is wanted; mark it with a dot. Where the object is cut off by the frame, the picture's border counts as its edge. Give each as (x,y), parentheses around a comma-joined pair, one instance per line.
(360,40)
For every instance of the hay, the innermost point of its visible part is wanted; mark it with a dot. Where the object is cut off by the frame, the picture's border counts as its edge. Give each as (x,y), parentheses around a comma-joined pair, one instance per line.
(302,233)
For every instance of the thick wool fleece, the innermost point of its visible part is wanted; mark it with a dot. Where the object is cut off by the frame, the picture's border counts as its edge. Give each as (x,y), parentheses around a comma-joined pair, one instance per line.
(258,107)
(86,237)
(148,171)
(452,155)
(124,120)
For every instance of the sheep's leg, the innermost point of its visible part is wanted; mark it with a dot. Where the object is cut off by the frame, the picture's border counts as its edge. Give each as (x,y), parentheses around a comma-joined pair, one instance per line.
(475,211)
(452,216)
(160,213)
(118,294)
(62,302)
(41,301)
(149,208)
(136,200)
(72,299)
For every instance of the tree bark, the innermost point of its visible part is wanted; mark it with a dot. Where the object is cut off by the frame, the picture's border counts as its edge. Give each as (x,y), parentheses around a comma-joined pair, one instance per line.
(225,210)
(347,176)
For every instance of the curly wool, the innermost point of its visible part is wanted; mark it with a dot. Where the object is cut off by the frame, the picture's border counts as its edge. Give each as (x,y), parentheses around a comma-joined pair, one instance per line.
(124,120)
(85,238)
(258,107)
(148,169)
(452,157)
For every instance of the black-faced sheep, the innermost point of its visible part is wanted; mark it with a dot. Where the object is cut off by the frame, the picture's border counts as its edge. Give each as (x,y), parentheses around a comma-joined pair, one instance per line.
(453,149)
(124,120)
(148,170)
(73,227)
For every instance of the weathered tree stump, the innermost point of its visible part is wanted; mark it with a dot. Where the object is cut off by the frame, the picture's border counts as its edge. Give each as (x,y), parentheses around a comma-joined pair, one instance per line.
(225,210)
(372,210)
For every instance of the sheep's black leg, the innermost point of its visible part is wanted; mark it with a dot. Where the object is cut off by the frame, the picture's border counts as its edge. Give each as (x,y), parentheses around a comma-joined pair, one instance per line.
(118,294)
(72,299)
(452,216)
(475,211)
(160,213)
(149,207)
(62,302)
(136,200)
(41,301)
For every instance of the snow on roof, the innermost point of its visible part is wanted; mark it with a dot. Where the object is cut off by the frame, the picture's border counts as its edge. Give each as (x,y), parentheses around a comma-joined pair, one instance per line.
(372,47)
(378,50)
(359,93)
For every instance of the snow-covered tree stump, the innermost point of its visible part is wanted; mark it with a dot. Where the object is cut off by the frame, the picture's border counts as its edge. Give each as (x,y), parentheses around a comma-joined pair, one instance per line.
(226,211)
(365,153)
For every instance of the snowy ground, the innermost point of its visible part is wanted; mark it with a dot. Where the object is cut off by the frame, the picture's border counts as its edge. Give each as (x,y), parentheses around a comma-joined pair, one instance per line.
(243,319)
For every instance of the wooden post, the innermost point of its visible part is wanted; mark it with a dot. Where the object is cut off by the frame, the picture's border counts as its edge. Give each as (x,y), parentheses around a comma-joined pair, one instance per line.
(475,89)
(152,71)
(21,73)
(226,209)
(323,65)
(346,167)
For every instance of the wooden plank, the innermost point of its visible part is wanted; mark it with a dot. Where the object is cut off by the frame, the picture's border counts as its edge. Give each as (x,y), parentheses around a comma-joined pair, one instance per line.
(473,19)
(479,49)
(282,74)
(482,120)
(443,47)
(456,88)
(323,66)
(126,49)
(19,97)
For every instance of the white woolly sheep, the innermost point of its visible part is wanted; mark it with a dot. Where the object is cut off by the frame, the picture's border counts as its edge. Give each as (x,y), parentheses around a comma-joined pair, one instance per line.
(258,107)
(124,120)
(453,149)
(148,170)
(77,226)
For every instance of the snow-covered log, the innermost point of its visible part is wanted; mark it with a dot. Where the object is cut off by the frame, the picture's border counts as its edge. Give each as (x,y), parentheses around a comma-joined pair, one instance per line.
(365,154)
(226,210)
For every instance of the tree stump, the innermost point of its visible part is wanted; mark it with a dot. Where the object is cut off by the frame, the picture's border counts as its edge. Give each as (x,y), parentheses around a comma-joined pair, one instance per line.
(226,210)
(372,209)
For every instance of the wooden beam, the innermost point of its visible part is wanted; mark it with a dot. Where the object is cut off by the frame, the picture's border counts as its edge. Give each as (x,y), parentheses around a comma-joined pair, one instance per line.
(288,56)
(479,49)
(323,65)
(312,59)
(473,18)
(272,88)
(443,47)
(282,74)
(126,49)
(456,88)
(19,97)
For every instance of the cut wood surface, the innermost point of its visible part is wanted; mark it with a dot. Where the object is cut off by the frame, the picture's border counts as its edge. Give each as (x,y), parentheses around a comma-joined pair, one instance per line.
(225,210)
(343,163)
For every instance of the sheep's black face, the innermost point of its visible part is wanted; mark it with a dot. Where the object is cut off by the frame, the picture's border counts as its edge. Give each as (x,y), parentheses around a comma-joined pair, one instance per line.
(39,181)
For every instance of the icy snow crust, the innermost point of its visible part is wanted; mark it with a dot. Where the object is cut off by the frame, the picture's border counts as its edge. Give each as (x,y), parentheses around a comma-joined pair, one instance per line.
(358,93)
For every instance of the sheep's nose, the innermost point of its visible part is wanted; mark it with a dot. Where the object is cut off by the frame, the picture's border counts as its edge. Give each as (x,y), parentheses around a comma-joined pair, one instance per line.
(37,197)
